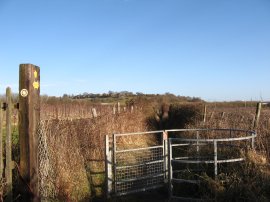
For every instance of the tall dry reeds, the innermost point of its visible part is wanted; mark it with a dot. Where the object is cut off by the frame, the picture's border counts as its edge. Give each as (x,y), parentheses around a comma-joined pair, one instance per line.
(74,153)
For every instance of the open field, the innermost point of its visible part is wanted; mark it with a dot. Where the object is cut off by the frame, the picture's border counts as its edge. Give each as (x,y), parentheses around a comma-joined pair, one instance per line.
(71,147)
(78,144)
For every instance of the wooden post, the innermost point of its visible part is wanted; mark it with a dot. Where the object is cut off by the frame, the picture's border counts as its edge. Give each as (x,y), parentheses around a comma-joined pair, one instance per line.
(212,115)
(114,110)
(1,143)
(258,114)
(221,118)
(8,170)
(222,115)
(94,112)
(29,118)
(204,113)
(118,107)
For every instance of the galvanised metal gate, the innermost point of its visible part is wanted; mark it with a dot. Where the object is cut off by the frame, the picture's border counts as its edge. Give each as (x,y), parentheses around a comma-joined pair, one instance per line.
(191,152)
(136,162)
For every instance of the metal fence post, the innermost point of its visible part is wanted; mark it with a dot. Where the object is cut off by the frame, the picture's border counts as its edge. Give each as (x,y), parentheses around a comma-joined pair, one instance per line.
(108,166)
(114,163)
(170,185)
(215,158)
(165,154)
(197,148)
(8,170)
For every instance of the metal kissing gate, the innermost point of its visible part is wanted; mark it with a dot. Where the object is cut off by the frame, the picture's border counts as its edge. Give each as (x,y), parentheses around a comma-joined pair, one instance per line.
(132,166)
(137,162)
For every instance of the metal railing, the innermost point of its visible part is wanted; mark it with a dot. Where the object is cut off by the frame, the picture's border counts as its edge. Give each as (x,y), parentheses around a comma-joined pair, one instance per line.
(203,145)
(137,162)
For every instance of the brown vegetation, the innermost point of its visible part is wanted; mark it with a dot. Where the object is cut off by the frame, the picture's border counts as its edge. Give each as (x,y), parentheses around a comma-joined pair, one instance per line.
(75,146)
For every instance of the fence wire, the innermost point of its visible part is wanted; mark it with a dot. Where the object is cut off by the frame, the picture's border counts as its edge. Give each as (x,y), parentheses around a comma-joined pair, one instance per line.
(46,186)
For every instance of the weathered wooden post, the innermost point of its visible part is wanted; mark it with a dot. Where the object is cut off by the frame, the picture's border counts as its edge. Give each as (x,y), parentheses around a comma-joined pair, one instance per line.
(1,143)
(94,113)
(211,116)
(118,107)
(204,113)
(114,110)
(222,115)
(29,118)
(258,114)
(8,170)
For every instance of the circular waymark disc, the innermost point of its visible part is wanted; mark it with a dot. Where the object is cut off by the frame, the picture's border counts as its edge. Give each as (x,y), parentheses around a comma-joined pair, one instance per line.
(24,93)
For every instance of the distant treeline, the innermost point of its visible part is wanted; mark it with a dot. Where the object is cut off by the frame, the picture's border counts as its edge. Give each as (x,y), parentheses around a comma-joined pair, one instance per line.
(130,95)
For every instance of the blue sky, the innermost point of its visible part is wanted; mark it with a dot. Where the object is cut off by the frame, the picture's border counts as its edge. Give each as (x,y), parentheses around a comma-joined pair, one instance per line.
(213,49)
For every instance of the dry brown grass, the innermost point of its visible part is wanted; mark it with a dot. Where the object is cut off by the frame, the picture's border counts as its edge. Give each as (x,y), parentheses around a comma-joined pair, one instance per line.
(242,118)
(76,149)
(248,181)
(76,152)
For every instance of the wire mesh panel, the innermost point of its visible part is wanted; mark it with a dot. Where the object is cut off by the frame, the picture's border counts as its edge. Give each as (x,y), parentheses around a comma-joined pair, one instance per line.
(138,166)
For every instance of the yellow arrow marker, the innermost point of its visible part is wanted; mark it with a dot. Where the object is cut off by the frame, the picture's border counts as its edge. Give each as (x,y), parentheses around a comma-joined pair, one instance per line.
(35,74)
(36,85)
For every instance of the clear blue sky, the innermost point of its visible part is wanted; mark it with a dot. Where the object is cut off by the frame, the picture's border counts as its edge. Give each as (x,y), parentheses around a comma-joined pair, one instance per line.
(213,49)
